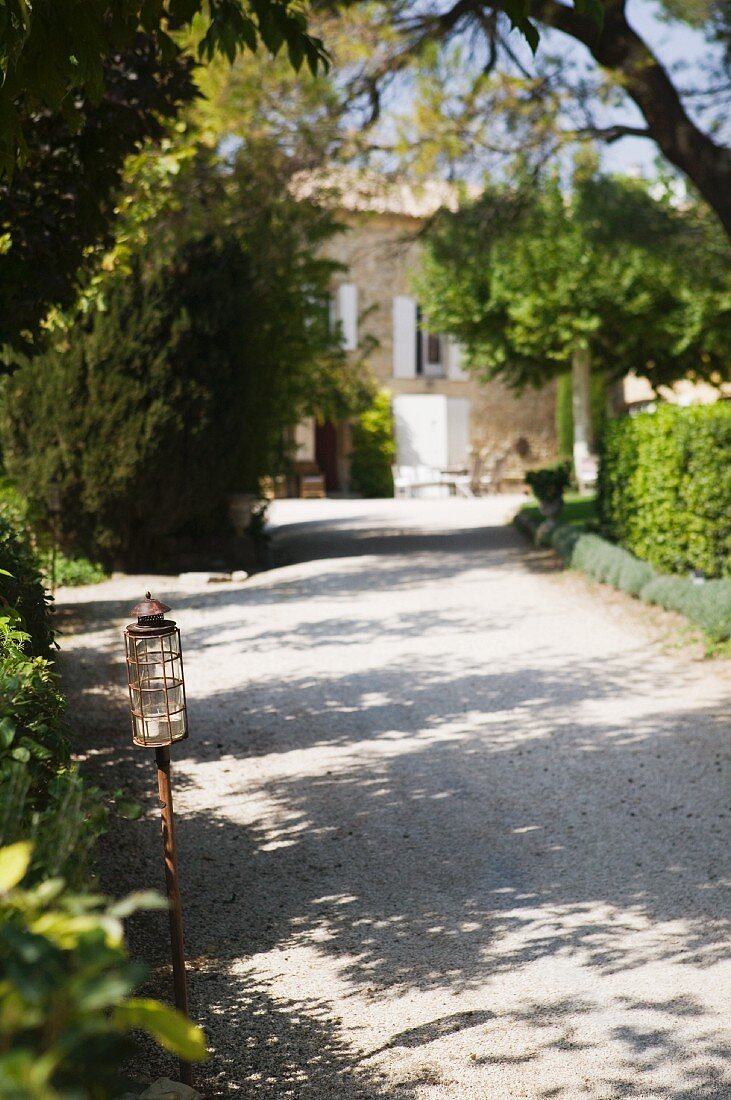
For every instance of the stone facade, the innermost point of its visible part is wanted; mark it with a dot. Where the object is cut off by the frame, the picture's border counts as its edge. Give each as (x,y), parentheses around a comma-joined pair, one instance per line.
(380,253)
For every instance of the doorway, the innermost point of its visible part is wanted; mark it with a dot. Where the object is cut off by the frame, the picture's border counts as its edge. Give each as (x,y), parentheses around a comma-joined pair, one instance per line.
(326,454)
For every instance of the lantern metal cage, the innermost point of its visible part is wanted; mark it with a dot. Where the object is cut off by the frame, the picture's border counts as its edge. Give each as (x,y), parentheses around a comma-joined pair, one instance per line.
(155,677)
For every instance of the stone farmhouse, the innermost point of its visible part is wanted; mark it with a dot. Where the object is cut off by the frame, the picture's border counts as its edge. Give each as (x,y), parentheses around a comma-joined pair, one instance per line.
(443,417)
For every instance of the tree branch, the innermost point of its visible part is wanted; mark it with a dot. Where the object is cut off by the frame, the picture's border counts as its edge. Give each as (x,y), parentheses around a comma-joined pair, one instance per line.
(610,134)
(619,49)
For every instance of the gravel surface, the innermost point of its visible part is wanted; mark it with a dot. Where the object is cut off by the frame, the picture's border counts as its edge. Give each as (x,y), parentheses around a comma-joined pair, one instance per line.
(451,825)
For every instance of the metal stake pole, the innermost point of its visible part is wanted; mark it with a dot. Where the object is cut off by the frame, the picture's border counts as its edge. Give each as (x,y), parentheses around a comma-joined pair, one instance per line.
(162,757)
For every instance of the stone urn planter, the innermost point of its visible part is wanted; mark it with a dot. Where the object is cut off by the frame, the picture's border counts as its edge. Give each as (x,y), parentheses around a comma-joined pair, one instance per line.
(551,509)
(240,510)
(549,485)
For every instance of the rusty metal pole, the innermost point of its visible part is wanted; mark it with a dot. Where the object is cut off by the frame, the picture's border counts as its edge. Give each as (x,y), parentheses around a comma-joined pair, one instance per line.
(177,949)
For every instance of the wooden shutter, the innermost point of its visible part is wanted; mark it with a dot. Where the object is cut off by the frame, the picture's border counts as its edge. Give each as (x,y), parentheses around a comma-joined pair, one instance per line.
(348,315)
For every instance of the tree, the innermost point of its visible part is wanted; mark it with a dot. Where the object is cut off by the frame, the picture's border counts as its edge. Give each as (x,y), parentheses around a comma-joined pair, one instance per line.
(52,51)
(84,87)
(534,284)
(634,71)
(152,409)
(60,205)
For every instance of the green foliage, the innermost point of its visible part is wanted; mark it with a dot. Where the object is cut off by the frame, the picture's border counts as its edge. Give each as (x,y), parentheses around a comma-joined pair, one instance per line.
(374,449)
(550,483)
(41,792)
(71,571)
(21,589)
(57,209)
(13,505)
(578,511)
(708,604)
(52,50)
(665,487)
(176,393)
(66,1009)
(610,564)
(522,277)
(53,568)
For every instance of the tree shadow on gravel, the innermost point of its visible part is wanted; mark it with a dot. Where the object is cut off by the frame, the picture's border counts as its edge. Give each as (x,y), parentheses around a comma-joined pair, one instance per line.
(272,1048)
(560,1025)
(446,857)
(439,828)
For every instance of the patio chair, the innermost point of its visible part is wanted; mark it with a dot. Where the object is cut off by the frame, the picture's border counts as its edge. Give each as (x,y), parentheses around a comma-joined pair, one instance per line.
(490,477)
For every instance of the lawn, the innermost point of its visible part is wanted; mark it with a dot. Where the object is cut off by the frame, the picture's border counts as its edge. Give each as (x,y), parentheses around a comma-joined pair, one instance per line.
(578,511)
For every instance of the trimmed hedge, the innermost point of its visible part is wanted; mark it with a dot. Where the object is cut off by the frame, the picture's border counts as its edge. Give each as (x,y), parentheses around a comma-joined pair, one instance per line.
(707,604)
(665,487)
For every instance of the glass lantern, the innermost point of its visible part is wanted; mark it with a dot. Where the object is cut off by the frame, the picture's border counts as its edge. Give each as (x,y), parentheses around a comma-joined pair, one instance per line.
(155,677)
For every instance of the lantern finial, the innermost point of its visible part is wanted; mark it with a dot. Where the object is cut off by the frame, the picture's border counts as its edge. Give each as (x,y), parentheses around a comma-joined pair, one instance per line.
(150,610)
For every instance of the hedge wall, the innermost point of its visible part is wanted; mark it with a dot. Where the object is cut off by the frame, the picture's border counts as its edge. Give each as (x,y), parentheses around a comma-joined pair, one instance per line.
(665,487)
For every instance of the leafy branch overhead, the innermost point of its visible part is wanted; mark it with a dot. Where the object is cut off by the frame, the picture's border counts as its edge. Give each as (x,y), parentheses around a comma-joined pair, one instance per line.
(687,124)
(53,51)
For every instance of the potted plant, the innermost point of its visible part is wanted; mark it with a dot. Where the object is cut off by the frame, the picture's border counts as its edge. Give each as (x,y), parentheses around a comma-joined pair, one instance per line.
(549,485)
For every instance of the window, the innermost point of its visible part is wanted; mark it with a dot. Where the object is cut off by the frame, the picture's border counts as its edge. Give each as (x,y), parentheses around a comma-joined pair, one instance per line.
(418,353)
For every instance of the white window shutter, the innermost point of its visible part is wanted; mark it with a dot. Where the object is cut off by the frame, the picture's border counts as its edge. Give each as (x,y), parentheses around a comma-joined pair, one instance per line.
(455,356)
(348,315)
(404,336)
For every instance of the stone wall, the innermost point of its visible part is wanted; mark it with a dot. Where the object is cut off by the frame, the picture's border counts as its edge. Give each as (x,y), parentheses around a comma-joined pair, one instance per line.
(381,254)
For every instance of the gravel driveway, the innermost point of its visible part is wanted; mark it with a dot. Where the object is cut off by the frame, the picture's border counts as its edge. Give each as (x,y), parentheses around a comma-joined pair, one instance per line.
(452,825)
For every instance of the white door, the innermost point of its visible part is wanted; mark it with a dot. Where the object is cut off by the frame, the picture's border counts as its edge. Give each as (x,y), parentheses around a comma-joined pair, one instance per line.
(421,430)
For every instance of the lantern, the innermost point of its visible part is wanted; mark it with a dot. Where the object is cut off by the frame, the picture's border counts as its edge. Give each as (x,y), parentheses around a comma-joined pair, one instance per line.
(157,701)
(155,676)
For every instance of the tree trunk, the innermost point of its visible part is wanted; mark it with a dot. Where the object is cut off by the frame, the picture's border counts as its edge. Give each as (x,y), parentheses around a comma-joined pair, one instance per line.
(581,403)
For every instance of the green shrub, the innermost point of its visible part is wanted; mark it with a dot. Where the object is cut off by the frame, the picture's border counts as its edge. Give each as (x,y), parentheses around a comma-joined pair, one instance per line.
(549,483)
(65,979)
(71,572)
(708,605)
(665,487)
(563,538)
(42,794)
(66,1010)
(374,449)
(176,394)
(13,505)
(22,590)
